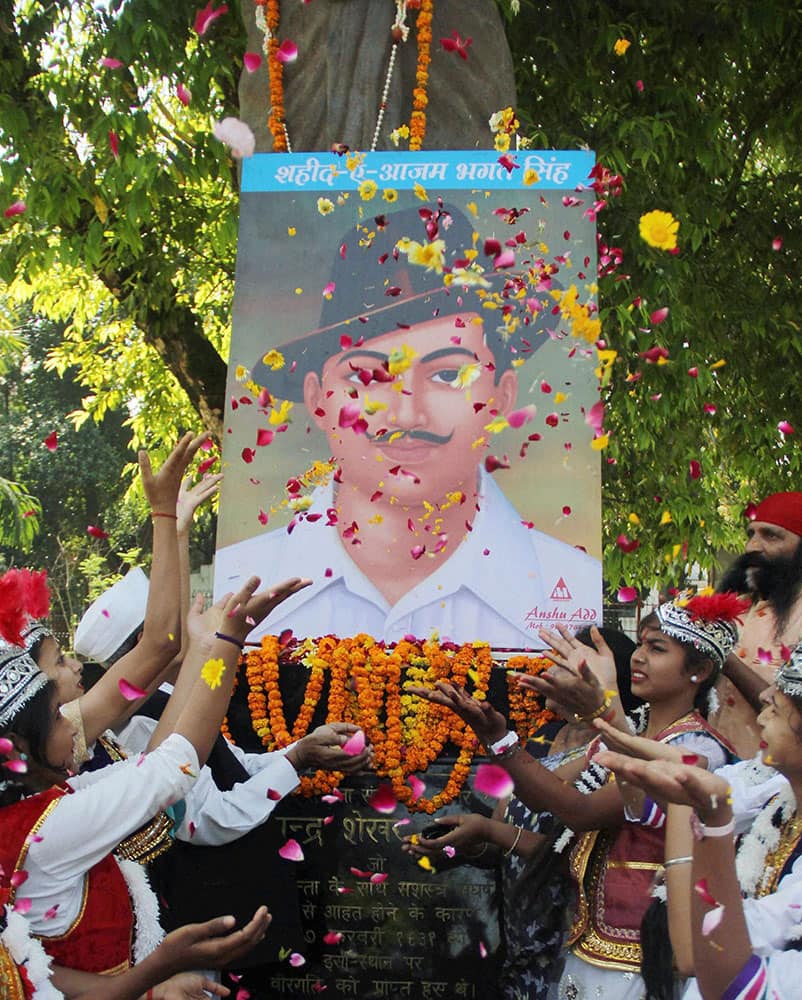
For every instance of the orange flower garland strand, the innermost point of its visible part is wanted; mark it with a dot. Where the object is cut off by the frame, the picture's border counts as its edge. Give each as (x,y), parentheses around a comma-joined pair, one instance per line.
(365,687)
(275,71)
(420,100)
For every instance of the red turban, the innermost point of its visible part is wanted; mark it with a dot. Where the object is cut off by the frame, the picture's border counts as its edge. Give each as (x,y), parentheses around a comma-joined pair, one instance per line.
(782,509)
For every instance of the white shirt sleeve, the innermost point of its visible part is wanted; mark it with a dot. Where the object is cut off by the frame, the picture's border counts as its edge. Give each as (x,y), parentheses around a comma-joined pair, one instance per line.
(214,817)
(775,919)
(219,817)
(87,825)
(752,784)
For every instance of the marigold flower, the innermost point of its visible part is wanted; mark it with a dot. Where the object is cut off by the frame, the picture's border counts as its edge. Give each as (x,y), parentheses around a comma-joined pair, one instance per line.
(212,673)
(659,229)
(367,190)
(621,46)
(325,206)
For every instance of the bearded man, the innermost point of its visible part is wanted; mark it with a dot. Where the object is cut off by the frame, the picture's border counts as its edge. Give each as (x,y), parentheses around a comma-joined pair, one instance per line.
(770,573)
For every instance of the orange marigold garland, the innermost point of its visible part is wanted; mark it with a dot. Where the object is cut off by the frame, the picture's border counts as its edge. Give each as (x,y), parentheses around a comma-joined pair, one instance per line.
(275,71)
(528,714)
(420,100)
(367,688)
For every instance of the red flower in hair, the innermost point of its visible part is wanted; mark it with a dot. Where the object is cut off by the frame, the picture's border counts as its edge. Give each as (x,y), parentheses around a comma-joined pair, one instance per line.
(724,607)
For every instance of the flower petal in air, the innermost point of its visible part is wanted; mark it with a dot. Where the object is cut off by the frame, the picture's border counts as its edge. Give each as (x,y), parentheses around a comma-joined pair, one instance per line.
(184,94)
(205,17)
(107,62)
(287,52)
(332,937)
(355,744)
(264,437)
(378,877)
(237,135)
(493,780)
(18,878)
(16,766)
(130,691)
(694,469)
(627,544)
(50,914)
(252,61)
(15,208)
(711,920)
(6,746)
(700,887)
(418,787)
(114,144)
(22,906)
(784,427)
(520,417)
(777,243)
(291,851)
(659,316)
(627,594)
(297,960)
(95,532)
(51,441)
(383,800)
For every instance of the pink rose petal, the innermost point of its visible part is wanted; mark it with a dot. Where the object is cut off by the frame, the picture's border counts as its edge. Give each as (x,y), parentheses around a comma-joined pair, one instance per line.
(710,408)
(711,920)
(349,414)
(701,888)
(383,800)
(107,62)
(237,135)
(6,746)
(659,316)
(418,787)
(114,144)
(264,436)
(22,905)
(273,795)
(378,877)
(493,780)
(449,851)
(360,873)
(15,208)
(784,427)
(355,744)
(18,878)
(627,594)
(764,655)
(520,417)
(482,949)
(332,937)
(627,544)
(694,469)
(50,914)
(287,52)
(297,960)
(504,260)
(595,417)
(130,691)
(291,851)
(184,94)
(417,551)
(16,766)
(252,61)
(776,243)
(206,16)
(95,532)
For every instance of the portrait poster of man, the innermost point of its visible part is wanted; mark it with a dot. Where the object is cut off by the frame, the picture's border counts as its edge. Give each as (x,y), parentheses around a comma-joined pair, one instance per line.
(410,379)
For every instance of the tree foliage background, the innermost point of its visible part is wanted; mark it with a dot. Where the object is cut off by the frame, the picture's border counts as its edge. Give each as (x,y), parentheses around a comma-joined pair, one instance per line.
(128,243)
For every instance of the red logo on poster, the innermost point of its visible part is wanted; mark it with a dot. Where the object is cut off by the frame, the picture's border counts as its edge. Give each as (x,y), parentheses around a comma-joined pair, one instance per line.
(561,591)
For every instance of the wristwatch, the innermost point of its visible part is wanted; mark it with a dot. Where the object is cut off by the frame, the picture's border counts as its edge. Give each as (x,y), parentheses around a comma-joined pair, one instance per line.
(503,747)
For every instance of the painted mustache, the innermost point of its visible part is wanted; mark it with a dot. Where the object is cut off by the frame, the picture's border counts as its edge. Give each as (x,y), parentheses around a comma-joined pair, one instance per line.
(428,436)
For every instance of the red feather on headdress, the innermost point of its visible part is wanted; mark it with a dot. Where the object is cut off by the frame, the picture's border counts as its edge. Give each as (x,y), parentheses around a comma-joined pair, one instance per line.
(13,617)
(24,594)
(725,607)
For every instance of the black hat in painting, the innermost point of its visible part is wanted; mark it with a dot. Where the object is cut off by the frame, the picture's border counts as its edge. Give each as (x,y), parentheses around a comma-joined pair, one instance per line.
(377,291)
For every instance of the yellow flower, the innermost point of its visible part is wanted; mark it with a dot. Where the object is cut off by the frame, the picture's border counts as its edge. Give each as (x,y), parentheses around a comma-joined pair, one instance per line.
(354,160)
(274,360)
(373,406)
(503,121)
(241,373)
(428,255)
(325,206)
(560,397)
(531,177)
(600,443)
(467,375)
(497,425)
(212,673)
(300,503)
(633,518)
(367,190)
(420,192)
(718,364)
(281,415)
(402,132)
(666,517)
(502,142)
(390,195)
(621,46)
(400,359)
(659,229)
(291,230)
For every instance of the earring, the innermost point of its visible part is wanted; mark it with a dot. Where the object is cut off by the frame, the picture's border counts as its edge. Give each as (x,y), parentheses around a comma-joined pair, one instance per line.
(694,678)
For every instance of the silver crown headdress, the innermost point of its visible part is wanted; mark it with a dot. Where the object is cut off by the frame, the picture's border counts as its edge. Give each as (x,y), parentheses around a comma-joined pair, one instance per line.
(20,680)
(707,622)
(789,677)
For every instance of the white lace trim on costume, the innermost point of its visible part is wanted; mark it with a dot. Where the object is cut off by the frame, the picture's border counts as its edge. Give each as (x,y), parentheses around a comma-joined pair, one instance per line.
(149,933)
(27,950)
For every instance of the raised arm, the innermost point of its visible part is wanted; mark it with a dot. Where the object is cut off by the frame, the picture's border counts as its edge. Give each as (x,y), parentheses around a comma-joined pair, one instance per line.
(202,712)
(536,786)
(105,706)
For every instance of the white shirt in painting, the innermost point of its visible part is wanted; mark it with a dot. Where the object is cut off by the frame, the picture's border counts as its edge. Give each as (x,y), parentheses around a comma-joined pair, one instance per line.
(503,582)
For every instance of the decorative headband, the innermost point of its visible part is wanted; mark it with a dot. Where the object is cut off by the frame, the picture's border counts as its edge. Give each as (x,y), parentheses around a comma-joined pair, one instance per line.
(706,622)
(789,677)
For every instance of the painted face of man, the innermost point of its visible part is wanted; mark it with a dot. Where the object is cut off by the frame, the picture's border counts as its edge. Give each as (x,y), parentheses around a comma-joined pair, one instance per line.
(425,421)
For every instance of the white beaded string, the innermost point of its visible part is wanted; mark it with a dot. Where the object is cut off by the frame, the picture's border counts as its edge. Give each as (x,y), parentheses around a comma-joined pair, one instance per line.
(400,32)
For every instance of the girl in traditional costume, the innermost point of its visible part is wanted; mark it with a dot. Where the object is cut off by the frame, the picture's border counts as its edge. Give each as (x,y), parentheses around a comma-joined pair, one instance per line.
(619,847)
(58,832)
(740,904)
